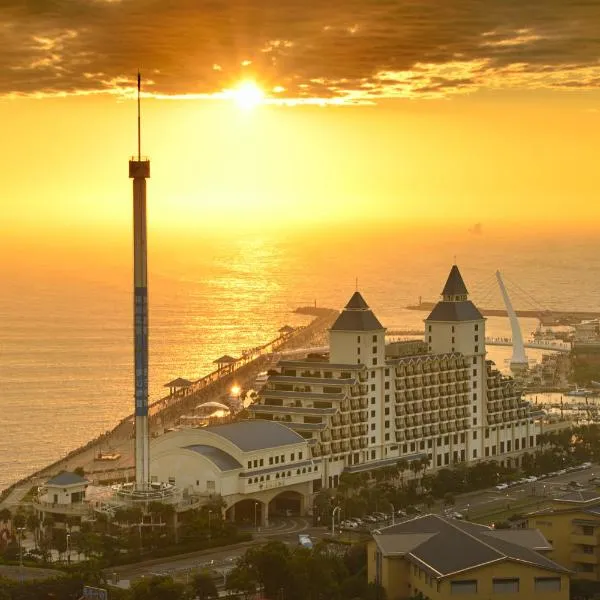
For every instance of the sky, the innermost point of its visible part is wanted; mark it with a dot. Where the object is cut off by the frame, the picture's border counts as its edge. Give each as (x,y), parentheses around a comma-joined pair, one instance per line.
(288,114)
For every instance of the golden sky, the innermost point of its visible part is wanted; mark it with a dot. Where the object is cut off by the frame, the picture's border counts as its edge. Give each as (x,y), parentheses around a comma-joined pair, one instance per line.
(434,112)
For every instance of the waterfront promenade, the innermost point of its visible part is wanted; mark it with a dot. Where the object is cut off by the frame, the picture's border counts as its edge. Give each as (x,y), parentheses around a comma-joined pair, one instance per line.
(165,412)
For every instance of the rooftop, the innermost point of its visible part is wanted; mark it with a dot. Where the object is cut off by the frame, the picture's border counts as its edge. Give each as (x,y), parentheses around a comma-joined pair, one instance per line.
(445,546)
(455,311)
(315,380)
(583,496)
(222,460)
(179,382)
(66,478)
(323,364)
(256,434)
(455,286)
(357,316)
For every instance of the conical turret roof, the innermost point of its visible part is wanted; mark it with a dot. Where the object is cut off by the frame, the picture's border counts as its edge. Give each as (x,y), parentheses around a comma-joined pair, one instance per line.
(357,316)
(455,286)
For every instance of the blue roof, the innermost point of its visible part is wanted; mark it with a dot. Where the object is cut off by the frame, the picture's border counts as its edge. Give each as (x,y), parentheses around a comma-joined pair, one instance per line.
(66,478)
(224,461)
(256,434)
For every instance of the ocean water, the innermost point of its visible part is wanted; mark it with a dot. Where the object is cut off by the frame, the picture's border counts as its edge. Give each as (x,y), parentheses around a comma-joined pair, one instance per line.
(66,340)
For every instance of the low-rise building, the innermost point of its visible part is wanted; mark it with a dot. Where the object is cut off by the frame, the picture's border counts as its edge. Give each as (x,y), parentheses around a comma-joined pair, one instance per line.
(572,526)
(258,467)
(436,558)
(63,498)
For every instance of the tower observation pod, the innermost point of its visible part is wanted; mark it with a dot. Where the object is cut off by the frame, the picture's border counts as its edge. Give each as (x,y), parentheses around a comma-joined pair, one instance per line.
(139,171)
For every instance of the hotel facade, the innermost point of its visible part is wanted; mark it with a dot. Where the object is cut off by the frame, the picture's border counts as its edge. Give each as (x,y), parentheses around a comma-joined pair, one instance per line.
(368,404)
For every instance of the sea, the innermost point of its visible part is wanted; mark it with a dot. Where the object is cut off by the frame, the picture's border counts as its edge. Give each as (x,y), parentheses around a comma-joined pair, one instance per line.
(66,315)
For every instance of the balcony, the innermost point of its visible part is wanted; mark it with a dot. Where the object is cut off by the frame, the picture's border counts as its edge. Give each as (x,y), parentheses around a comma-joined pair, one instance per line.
(399,436)
(584,540)
(74,508)
(400,412)
(582,557)
(399,423)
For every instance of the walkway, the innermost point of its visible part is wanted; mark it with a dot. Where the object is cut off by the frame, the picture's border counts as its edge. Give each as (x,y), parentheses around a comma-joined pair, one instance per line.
(555,346)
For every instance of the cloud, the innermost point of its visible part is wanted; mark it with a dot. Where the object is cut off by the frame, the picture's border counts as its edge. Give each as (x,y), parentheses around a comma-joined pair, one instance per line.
(335,51)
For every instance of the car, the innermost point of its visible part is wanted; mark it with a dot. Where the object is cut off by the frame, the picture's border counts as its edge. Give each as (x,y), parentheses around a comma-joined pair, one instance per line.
(457,515)
(369,519)
(586,465)
(531,479)
(304,541)
(576,484)
(502,486)
(564,488)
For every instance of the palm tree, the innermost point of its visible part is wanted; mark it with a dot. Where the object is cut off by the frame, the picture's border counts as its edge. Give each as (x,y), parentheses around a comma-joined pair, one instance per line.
(33,524)
(402,465)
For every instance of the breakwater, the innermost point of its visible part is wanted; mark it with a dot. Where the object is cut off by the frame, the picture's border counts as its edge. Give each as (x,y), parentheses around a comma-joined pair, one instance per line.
(165,412)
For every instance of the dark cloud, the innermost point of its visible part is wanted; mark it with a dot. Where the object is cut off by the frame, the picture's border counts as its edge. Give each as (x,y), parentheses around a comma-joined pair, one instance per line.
(354,49)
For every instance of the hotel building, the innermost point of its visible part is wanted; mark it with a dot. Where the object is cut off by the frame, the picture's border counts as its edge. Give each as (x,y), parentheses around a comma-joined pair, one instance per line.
(368,404)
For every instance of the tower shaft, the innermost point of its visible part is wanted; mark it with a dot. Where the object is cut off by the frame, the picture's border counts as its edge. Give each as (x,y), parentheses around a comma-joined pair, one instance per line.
(518,355)
(140,315)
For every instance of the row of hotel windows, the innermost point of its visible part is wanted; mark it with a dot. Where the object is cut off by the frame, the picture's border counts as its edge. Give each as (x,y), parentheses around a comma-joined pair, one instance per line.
(260,462)
(476,327)
(302,471)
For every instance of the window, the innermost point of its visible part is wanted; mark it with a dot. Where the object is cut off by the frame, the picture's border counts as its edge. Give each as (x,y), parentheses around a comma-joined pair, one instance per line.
(387,372)
(374,361)
(506,586)
(463,438)
(299,455)
(374,349)
(172,480)
(453,340)
(373,385)
(475,408)
(372,426)
(358,339)
(422,445)
(474,372)
(476,327)
(387,437)
(487,434)
(430,328)
(387,385)
(439,460)
(270,460)
(588,530)
(387,410)
(501,447)
(487,450)
(508,446)
(387,397)
(430,339)
(452,328)
(255,463)
(455,438)
(547,584)
(372,413)
(249,464)
(588,549)
(372,400)
(386,424)
(474,421)
(262,462)
(374,339)
(476,338)
(429,444)
(373,454)
(474,396)
(517,444)
(474,453)
(210,485)
(282,458)
(474,360)
(292,456)
(476,348)
(466,586)
(439,442)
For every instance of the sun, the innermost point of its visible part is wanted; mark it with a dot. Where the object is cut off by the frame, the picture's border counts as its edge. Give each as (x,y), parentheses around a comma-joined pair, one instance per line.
(247,95)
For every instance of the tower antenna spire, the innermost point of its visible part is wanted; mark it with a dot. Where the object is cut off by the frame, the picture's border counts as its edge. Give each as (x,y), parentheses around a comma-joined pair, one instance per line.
(139,123)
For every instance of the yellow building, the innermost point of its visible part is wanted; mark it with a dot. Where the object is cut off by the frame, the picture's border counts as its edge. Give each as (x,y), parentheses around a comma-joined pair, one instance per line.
(435,558)
(572,527)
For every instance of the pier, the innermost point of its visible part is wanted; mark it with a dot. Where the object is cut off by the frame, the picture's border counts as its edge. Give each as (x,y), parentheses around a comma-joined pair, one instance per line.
(165,412)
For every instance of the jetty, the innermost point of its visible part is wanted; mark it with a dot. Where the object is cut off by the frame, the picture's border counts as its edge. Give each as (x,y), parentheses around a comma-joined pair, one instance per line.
(184,395)
(546,317)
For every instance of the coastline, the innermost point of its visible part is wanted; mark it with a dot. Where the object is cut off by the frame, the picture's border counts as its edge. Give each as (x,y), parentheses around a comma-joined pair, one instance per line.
(164,412)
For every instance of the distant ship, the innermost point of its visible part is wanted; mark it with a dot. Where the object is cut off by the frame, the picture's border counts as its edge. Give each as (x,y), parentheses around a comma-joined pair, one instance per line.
(580,392)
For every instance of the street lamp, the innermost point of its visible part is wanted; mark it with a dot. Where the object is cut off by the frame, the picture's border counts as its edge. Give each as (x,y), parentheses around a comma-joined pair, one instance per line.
(338,510)
(209,516)
(255,509)
(68,548)
(393,514)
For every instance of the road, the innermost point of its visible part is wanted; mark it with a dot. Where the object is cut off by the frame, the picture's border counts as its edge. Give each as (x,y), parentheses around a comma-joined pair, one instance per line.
(285,530)
(491,499)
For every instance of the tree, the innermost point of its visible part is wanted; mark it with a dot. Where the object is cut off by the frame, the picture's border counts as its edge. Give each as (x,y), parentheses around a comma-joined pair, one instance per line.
(449,499)
(157,588)
(242,580)
(79,471)
(203,586)
(33,524)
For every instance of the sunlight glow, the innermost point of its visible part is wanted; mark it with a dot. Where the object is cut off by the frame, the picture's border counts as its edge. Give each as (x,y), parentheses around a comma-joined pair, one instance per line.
(235,390)
(247,95)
